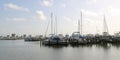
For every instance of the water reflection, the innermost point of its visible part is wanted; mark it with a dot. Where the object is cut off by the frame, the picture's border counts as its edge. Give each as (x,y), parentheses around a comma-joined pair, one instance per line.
(55,46)
(89,45)
(117,45)
(105,46)
(102,45)
(20,50)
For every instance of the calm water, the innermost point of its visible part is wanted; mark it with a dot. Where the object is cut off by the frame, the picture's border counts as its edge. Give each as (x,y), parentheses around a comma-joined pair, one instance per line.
(20,50)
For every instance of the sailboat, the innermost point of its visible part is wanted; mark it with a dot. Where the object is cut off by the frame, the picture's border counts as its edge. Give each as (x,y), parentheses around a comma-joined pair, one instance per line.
(106,37)
(76,37)
(54,39)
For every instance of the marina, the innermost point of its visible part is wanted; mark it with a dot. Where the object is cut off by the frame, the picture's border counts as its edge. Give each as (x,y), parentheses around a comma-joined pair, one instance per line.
(60,30)
(77,38)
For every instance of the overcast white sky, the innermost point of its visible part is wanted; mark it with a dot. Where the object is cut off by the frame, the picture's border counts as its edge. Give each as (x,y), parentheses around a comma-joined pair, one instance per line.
(32,16)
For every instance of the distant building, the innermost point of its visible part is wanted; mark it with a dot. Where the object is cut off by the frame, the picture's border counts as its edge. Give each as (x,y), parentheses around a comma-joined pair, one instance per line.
(24,36)
(8,36)
(13,35)
(1,37)
(17,36)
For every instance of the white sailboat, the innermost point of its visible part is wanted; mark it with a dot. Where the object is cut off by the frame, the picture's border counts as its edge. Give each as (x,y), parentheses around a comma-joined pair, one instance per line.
(76,37)
(54,39)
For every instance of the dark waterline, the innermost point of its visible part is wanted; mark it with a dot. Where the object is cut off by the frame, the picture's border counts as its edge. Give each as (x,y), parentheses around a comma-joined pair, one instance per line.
(20,50)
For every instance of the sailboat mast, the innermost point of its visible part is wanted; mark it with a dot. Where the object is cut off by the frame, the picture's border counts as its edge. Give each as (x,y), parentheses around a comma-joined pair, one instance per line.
(81,23)
(51,23)
(105,32)
(56,24)
(78,25)
(105,25)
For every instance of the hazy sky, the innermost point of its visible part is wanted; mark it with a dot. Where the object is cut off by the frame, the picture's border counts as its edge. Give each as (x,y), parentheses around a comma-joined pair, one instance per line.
(32,16)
